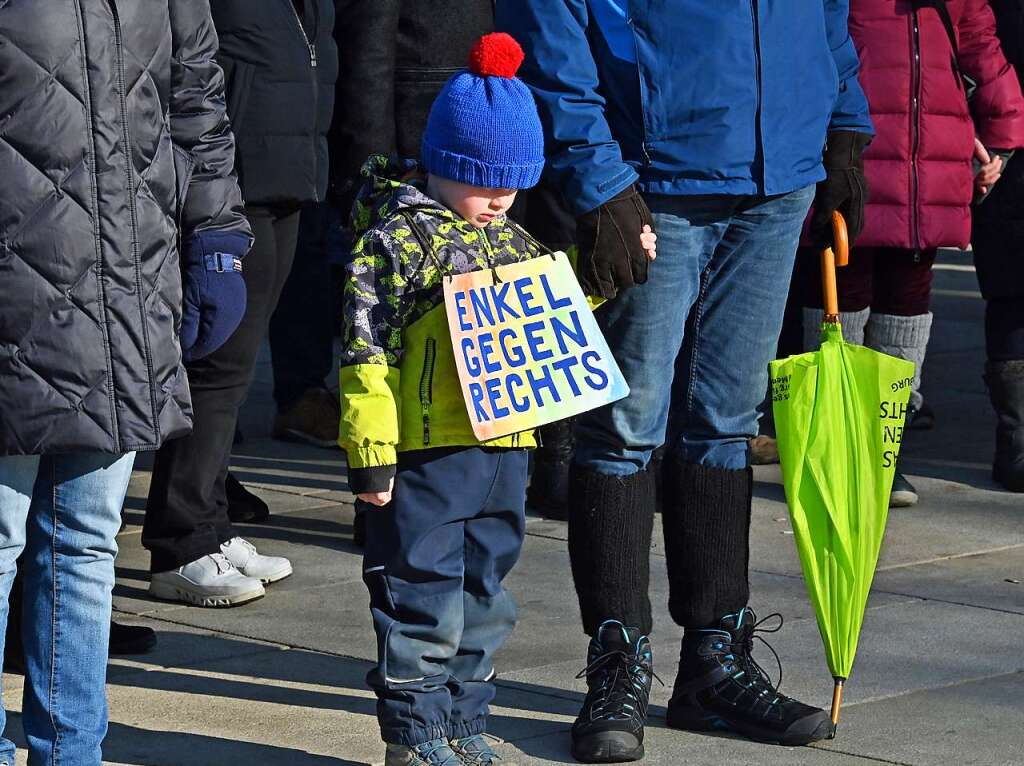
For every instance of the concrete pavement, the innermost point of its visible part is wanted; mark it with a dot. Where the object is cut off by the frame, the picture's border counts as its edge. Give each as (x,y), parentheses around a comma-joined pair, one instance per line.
(939,677)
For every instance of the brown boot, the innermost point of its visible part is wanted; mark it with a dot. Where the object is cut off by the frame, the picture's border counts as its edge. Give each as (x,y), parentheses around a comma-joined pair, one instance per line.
(313,419)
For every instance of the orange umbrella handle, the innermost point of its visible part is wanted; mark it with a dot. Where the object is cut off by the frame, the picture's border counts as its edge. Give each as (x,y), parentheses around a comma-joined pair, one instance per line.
(829,260)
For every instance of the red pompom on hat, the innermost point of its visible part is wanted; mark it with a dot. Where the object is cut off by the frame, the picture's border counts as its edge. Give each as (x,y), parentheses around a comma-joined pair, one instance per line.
(496,55)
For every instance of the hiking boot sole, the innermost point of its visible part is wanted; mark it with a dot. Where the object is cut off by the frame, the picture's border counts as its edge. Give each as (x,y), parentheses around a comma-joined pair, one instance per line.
(296,436)
(182,593)
(811,729)
(608,747)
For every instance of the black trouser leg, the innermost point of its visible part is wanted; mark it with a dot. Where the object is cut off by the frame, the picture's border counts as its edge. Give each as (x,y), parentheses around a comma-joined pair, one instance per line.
(301,329)
(186,514)
(611,520)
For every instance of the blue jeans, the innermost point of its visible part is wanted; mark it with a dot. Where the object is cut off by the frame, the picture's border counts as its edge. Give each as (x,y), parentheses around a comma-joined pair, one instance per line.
(715,298)
(64,512)
(434,565)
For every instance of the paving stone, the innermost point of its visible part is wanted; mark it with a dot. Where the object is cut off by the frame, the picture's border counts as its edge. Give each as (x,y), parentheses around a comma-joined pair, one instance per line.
(977,723)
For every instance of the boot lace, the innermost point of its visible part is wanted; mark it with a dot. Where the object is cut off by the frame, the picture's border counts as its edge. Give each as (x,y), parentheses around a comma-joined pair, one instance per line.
(740,653)
(224,566)
(622,692)
(431,753)
(482,756)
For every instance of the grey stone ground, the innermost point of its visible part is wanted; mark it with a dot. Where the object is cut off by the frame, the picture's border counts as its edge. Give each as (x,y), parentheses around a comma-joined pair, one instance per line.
(939,677)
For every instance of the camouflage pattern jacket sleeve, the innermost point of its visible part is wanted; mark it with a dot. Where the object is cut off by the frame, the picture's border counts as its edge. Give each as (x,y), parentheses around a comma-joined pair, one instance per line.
(376,308)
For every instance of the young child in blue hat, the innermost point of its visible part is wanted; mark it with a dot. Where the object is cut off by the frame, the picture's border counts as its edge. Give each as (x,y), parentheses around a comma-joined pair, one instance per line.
(450,519)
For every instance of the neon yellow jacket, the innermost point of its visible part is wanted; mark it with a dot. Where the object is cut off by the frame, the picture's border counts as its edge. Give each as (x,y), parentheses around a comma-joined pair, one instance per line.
(399,385)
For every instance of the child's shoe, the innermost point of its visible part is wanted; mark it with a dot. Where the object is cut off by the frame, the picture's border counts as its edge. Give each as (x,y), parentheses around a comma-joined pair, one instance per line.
(475,751)
(434,753)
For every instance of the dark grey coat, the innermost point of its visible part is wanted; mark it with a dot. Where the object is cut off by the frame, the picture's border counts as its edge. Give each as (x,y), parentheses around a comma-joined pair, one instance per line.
(112,129)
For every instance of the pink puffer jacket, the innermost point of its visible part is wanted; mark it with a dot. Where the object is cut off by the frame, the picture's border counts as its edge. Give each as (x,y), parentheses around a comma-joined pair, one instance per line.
(918,167)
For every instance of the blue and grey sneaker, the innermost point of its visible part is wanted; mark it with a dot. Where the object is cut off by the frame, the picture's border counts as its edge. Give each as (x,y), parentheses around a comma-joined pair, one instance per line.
(610,727)
(721,687)
(434,753)
(476,751)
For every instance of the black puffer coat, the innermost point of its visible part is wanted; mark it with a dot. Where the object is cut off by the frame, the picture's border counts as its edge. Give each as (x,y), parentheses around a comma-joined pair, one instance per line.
(281,65)
(110,111)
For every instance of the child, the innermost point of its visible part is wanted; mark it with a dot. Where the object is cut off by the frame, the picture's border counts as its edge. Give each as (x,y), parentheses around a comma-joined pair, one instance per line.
(451,521)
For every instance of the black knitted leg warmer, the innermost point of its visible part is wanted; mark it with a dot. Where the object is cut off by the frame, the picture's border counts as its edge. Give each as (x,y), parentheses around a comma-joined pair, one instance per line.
(706,517)
(611,519)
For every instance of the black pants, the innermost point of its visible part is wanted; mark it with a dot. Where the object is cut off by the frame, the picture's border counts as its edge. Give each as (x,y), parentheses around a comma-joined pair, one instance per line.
(888,280)
(301,330)
(186,515)
(998,240)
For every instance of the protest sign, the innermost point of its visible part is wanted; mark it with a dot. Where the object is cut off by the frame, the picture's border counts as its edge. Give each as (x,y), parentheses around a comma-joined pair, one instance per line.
(527,347)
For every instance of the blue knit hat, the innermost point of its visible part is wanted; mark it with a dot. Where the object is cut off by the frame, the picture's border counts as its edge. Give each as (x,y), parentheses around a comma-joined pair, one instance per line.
(483,128)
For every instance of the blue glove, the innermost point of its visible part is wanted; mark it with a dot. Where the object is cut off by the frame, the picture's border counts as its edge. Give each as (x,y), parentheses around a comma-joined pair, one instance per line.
(214,291)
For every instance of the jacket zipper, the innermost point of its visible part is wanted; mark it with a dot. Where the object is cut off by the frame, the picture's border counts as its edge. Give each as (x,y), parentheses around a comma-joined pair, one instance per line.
(915,127)
(302,31)
(427,387)
(316,88)
(133,213)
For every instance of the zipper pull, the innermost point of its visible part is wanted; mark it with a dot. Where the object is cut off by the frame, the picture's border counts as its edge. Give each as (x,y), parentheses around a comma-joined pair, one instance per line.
(312,55)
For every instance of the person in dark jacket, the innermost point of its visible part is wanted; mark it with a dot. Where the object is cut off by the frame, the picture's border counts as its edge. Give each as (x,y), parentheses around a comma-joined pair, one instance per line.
(998,243)
(684,113)
(281,63)
(116,148)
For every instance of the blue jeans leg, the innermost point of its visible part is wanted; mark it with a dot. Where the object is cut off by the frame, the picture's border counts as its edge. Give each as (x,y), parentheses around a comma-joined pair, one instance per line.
(427,558)
(716,295)
(17,478)
(69,576)
(735,328)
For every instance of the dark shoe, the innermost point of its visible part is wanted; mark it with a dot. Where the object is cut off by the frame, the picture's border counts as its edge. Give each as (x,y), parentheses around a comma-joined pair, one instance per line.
(548,493)
(131,639)
(720,687)
(610,727)
(903,494)
(1006,390)
(359,523)
(920,418)
(243,506)
(312,420)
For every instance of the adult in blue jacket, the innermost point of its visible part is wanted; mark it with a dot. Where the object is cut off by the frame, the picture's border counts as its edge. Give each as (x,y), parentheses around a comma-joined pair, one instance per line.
(716,121)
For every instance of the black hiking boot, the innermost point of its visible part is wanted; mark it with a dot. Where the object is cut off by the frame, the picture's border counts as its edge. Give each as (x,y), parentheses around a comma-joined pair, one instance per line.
(244,507)
(720,687)
(610,727)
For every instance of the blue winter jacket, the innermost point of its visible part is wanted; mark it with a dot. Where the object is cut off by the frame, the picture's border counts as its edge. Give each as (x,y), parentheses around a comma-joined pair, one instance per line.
(687,96)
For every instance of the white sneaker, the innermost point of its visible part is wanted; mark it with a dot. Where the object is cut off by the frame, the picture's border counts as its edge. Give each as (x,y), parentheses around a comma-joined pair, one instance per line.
(210,581)
(247,560)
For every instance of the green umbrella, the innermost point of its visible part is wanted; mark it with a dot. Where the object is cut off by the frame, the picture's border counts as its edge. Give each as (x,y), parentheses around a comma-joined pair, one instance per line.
(839,415)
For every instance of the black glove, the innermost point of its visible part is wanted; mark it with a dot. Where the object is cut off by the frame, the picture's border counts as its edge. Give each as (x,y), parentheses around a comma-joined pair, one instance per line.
(844,189)
(611,257)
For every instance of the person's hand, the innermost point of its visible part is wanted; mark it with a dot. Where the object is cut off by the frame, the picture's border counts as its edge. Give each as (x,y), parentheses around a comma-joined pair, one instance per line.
(844,188)
(379,499)
(612,255)
(990,171)
(213,291)
(649,241)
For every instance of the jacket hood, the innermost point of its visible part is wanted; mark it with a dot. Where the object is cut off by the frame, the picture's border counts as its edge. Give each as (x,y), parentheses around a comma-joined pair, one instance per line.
(389,185)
